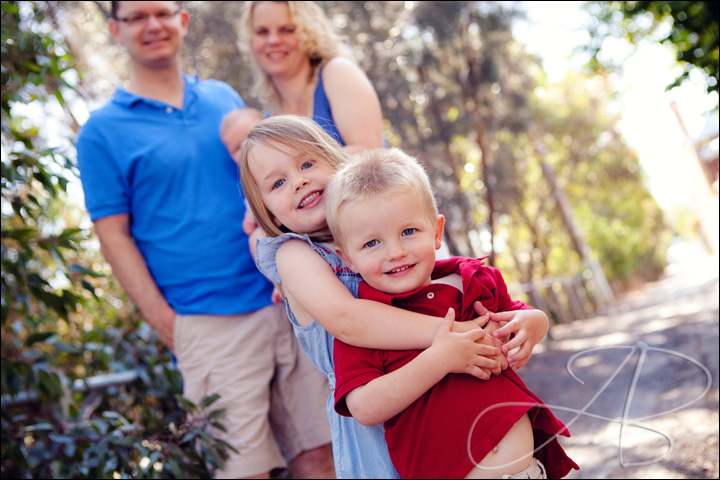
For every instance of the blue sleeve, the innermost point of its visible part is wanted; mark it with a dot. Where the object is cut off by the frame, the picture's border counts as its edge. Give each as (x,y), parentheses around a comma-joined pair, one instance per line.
(107,191)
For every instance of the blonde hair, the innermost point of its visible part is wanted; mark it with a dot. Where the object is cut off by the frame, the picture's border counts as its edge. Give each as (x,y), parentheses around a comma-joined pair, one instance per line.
(376,173)
(239,116)
(238,122)
(317,40)
(294,135)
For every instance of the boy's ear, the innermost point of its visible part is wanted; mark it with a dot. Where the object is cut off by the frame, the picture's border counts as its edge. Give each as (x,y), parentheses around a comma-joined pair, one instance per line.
(439,231)
(345,259)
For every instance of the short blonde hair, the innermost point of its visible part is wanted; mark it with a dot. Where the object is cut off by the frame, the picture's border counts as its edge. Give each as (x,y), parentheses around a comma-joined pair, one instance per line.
(240,118)
(376,173)
(294,135)
(314,32)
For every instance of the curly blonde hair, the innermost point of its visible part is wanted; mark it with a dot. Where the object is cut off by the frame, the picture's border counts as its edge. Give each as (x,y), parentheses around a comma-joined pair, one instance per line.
(315,34)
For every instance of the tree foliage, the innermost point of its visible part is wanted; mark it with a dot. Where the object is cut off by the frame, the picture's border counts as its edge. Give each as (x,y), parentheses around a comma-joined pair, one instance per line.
(63,319)
(690,28)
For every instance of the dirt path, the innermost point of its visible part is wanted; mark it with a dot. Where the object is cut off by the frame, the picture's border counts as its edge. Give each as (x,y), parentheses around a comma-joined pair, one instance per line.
(667,335)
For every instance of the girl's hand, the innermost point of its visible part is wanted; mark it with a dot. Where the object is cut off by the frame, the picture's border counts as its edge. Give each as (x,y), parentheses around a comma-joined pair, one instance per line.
(483,322)
(464,352)
(526,328)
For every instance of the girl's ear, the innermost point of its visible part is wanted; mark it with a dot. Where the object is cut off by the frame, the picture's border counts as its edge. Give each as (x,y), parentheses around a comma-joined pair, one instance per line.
(439,231)
(345,259)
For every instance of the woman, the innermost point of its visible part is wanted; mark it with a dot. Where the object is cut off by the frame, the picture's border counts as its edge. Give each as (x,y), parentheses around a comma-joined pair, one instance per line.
(298,69)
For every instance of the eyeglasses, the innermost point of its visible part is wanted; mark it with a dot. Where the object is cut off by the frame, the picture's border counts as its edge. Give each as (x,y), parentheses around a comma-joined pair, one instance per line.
(138,19)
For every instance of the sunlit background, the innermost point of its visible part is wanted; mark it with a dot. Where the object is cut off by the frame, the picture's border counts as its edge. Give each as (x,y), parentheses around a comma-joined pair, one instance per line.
(657,123)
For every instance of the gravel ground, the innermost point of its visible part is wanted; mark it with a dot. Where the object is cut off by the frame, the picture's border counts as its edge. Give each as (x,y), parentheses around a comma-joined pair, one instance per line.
(666,334)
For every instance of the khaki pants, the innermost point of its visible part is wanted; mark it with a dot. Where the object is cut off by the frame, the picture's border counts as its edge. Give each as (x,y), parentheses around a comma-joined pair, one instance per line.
(273,396)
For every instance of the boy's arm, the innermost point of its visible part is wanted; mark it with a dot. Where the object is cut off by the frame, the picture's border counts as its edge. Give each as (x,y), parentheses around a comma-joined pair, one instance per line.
(384,397)
(314,292)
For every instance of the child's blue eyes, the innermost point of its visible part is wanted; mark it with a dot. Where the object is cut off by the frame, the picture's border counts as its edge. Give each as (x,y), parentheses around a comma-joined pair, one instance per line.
(279,183)
(405,233)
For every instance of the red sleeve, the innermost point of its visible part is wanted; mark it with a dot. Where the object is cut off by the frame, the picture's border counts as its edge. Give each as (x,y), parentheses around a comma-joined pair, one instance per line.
(354,367)
(505,303)
(486,284)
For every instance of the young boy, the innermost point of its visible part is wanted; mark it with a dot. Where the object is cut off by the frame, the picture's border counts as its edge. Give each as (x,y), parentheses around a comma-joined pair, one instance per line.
(382,214)
(235,128)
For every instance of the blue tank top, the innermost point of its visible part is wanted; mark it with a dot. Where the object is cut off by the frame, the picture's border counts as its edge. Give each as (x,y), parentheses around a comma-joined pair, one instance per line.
(322,113)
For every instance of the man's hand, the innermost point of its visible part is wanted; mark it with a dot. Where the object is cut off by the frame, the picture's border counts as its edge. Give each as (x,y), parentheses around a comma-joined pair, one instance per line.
(164,323)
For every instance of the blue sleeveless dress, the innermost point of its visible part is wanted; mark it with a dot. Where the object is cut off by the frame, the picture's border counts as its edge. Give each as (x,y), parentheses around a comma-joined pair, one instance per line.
(359,451)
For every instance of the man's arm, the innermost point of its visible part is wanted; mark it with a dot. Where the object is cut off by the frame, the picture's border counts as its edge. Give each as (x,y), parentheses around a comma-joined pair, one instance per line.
(129,267)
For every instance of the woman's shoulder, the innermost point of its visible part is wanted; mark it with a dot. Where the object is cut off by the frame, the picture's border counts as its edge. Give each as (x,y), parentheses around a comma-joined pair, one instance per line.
(339,68)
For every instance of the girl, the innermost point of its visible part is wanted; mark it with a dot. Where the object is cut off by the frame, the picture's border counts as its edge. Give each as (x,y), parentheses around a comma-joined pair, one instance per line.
(285,164)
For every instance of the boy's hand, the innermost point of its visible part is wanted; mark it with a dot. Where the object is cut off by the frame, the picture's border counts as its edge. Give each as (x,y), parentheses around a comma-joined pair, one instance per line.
(249,222)
(526,327)
(276,296)
(465,352)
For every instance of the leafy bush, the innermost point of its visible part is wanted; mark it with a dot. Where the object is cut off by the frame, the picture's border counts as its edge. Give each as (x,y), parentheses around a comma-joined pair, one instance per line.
(64,320)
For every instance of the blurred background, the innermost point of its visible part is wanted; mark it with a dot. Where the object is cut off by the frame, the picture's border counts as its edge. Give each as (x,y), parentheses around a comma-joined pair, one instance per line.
(576,143)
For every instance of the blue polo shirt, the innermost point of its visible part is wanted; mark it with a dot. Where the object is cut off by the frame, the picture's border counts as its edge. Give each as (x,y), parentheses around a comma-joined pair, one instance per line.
(168,170)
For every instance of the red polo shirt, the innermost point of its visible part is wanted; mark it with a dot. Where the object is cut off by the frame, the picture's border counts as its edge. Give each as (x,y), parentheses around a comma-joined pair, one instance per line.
(431,438)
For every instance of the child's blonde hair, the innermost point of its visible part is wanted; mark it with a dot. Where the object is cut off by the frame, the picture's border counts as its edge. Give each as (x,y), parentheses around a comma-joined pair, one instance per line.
(240,118)
(373,173)
(295,136)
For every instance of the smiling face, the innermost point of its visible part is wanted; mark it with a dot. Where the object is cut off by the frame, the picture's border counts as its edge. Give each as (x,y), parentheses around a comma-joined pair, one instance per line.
(292,187)
(152,32)
(274,40)
(390,241)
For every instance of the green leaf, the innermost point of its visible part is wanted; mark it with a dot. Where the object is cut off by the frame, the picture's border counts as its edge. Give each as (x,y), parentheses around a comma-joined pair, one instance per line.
(216,414)
(185,403)
(219,426)
(61,438)
(209,400)
(62,347)
(37,337)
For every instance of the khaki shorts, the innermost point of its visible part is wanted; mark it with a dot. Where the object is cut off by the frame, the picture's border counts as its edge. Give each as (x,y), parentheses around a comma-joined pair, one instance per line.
(535,470)
(274,397)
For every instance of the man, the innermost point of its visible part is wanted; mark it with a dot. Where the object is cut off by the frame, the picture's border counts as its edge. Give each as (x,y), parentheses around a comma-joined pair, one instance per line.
(164,196)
